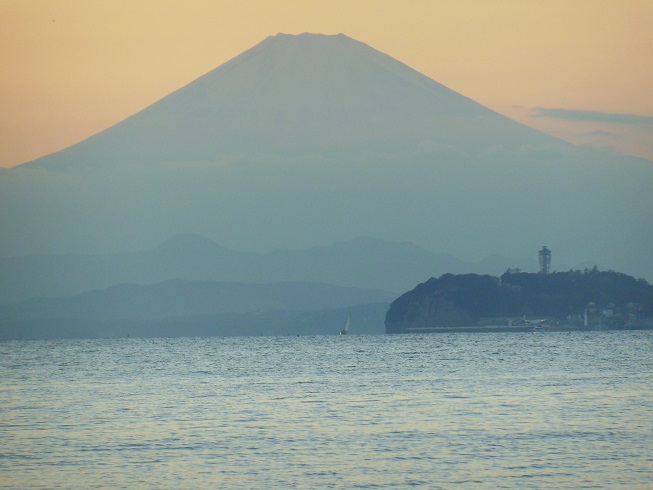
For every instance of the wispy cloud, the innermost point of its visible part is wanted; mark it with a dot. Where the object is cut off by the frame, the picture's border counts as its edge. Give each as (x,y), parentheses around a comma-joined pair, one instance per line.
(593,116)
(607,135)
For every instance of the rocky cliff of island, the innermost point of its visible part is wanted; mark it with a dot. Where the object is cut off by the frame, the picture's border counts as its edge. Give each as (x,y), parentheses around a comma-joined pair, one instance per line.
(590,299)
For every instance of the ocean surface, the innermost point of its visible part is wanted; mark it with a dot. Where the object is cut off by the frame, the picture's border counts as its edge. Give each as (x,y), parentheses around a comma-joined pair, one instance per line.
(532,410)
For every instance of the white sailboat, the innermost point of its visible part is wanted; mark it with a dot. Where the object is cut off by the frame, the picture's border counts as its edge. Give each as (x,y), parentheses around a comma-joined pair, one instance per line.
(345,329)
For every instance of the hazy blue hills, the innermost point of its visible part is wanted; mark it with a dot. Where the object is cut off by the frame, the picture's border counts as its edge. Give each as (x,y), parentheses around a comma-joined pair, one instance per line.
(362,262)
(181,297)
(312,139)
(187,308)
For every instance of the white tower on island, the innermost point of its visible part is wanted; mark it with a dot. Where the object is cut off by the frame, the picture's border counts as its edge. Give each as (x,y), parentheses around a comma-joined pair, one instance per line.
(545,260)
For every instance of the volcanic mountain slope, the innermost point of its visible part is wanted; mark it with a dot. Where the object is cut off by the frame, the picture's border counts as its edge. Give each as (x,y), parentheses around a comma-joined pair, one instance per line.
(304,95)
(311,139)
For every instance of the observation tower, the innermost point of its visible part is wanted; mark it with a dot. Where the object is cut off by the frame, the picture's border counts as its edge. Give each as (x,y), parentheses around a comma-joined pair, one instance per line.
(545,260)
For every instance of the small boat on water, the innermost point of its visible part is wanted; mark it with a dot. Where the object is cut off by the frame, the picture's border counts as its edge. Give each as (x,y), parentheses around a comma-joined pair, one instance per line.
(345,329)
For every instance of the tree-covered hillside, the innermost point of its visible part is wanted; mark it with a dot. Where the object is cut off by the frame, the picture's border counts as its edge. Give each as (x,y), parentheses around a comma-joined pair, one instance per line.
(566,293)
(590,298)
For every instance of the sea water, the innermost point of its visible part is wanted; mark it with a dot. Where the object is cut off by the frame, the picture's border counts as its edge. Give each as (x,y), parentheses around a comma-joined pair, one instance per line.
(538,410)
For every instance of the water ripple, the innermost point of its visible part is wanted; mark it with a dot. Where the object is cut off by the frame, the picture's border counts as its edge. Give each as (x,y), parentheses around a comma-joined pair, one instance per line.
(435,411)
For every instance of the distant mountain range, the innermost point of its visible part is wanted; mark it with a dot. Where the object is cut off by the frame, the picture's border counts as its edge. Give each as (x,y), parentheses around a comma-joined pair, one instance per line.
(189,308)
(185,298)
(363,263)
(190,285)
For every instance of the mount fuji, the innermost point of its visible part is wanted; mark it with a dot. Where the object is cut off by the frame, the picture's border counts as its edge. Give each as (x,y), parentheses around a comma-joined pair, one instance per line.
(311,139)
(300,96)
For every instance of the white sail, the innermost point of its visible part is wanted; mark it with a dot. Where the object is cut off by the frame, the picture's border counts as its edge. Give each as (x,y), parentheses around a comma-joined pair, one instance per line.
(346,327)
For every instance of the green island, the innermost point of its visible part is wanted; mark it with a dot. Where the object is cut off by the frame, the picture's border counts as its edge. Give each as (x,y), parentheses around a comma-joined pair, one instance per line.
(520,301)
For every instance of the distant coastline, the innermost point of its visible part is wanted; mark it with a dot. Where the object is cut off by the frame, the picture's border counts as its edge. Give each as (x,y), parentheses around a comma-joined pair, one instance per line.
(644,325)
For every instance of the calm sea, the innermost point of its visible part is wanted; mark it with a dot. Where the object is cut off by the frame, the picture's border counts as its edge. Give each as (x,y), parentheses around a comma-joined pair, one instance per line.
(538,410)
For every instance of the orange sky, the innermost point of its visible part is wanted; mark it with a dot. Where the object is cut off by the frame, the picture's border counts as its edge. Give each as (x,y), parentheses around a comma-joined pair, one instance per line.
(71,68)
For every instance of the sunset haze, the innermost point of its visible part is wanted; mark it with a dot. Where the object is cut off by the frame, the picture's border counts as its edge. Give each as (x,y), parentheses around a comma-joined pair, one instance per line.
(581,71)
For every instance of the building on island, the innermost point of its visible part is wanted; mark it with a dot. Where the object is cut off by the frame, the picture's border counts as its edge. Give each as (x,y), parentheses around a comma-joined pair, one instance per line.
(545,260)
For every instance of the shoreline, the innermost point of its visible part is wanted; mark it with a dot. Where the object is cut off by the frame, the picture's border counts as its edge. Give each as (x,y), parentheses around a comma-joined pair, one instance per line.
(518,328)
